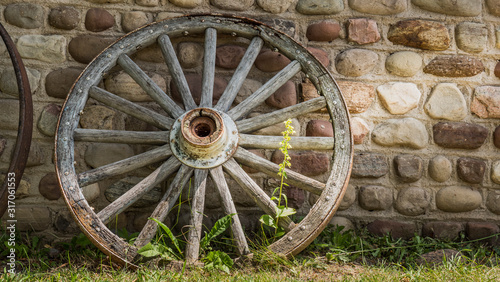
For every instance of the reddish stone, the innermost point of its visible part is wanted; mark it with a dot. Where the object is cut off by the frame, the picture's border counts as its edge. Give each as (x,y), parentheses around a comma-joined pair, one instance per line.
(64,17)
(485,102)
(496,137)
(323,31)
(84,48)
(270,61)
(409,168)
(258,153)
(442,230)
(394,228)
(229,56)
(362,31)
(369,165)
(295,196)
(454,66)
(285,96)
(497,70)
(321,55)
(459,135)
(358,96)
(59,82)
(471,170)
(49,187)
(194,82)
(319,128)
(306,163)
(478,230)
(98,19)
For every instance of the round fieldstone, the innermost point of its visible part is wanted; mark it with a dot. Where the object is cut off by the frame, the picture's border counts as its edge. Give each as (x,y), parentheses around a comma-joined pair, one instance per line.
(65,17)
(440,168)
(229,56)
(134,19)
(8,81)
(356,62)
(194,83)
(464,8)
(91,192)
(319,128)
(358,96)
(148,3)
(101,117)
(349,198)
(442,230)
(321,55)
(485,102)
(123,85)
(395,229)
(59,82)
(471,170)
(49,187)
(151,53)
(248,88)
(408,168)
(306,163)
(99,154)
(342,222)
(401,132)
(369,165)
(10,113)
(459,135)
(65,223)
(479,230)
(189,54)
(375,198)
(47,122)
(359,129)
(496,137)
(45,48)
(320,7)
(454,66)
(270,61)
(399,97)
(493,7)
(24,15)
(446,102)
(413,201)
(378,7)
(3,142)
(323,31)
(26,222)
(274,6)
(471,37)
(497,70)
(98,19)
(23,190)
(458,199)
(37,155)
(427,35)
(493,201)
(186,3)
(107,1)
(403,63)
(84,48)
(117,189)
(495,172)
(285,96)
(242,5)
(362,31)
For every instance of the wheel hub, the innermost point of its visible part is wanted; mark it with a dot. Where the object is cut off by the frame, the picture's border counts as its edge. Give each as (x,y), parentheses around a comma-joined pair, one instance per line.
(203,138)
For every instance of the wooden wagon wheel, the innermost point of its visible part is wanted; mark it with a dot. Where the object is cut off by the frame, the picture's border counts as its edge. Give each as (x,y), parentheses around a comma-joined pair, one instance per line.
(202,140)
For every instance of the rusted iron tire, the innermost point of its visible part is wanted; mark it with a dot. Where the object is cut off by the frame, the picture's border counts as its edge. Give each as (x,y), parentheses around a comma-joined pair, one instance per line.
(25,128)
(201,140)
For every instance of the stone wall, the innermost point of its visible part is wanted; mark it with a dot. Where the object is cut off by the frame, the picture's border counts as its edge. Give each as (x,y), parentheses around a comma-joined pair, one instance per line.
(421,79)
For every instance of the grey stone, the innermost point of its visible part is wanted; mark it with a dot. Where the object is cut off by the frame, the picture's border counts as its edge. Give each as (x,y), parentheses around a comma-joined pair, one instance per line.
(471,37)
(274,6)
(47,122)
(242,5)
(32,218)
(464,8)
(64,17)
(248,88)
(101,117)
(356,62)
(148,3)
(189,54)
(401,132)
(442,230)
(349,198)
(399,97)
(375,198)
(493,201)
(458,199)
(135,19)
(446,102)
(378,7)
(117,189)
(91,192)
(495,172)
(8,81)
(46,48)
(369,165)
(413,201)
(123,85)
(65,223)
(320,7)
(10,114)
(99,154)
(408,168)
(24,15)
(404,63)
(471,170)
(106,1)
(343,222)
(37,155)
(440,168)
(186,3)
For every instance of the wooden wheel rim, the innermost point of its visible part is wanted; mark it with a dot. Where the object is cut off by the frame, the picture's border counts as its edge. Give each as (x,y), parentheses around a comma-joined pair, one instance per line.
(301,234)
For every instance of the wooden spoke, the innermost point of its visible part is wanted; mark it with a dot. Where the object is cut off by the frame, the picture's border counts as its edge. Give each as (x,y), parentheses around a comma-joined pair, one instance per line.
(149,86)
(265,91)
(122,136)
(124,166)
(217,176)
(207,84)
(252,189)
(130,108)
(196,221)
(176,71)
(293,178)
(165,205)
(297,143)
(261,121)
(240,74)
(139,190)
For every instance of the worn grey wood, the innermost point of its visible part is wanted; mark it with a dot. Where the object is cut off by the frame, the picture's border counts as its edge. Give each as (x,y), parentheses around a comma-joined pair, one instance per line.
(139,190)
(293,178)
(241,72)
(122,136)
(176,71)
(253,190)
(207,83)
(296,143)
(261,121)
(166,204)
(124,166)
(266,90)
(130,108)
(148,85)
(217,176)
(196,220)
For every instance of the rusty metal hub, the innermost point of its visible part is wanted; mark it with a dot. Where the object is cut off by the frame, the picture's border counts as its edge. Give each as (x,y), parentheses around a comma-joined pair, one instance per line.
(204,138)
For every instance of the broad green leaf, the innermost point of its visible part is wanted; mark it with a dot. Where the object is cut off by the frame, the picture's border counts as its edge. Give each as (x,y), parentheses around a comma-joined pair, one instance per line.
(268,220)
(169,233)
(219,227)
(283,211)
